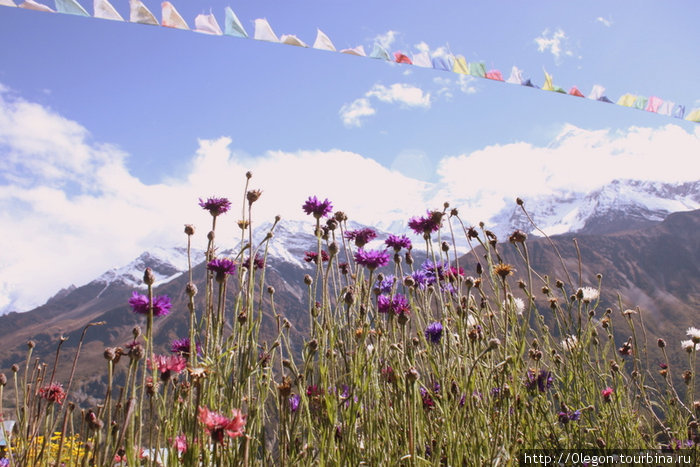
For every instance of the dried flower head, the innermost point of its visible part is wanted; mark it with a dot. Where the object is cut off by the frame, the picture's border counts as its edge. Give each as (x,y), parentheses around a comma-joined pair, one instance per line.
(503,270)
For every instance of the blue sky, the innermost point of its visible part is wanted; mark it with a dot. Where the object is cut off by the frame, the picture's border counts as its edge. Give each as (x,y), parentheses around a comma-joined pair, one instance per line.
(112,130)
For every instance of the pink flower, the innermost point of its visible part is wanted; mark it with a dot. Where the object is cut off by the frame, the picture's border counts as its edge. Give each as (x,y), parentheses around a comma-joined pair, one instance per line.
(53,393)
(217,425)
(180,443)
(168,364)
(607,393)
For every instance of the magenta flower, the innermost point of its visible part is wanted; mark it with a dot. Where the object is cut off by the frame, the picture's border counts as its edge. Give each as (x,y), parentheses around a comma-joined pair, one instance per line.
(215,206)
(361,236)
(217,425)
(221,267)
(427,224)
(139,304)
(397,242)
(607,393)
(180,443)
(317,208)
(397,305)
(383,304)
(258,262)
(311,256)
(182,347)
(372,259)
(294,401)
(53,393)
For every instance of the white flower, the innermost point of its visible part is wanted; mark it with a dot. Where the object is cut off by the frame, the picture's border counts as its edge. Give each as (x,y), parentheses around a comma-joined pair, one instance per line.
(688,346)
(471,320)
(694,335)
(589,294)
(517,303)
(569,343)
(370,348)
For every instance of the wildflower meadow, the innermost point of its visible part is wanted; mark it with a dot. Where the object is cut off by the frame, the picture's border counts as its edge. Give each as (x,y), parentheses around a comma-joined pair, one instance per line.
(418,351)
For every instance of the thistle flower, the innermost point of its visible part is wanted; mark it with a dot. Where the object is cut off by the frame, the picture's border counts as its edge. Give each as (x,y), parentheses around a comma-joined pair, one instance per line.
(383,304)
(569,343)
(54,392)
(517,304)
(168,364)
(386,284)
(689,345)
(426,225)
(258,262)
(294,401)
(694,335)
(312,256)
(397,242)
(361,236)
(433,332)
(180,443)
(607,393)
(372,259)
(503,270)
(565,417)
(139,304)
(217,425)
(182,347)
(587,294)
(215,206)
(222,267)
(317,208)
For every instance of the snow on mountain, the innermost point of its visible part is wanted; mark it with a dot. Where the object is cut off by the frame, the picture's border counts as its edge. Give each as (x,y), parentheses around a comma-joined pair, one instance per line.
(615,206)
(166,263)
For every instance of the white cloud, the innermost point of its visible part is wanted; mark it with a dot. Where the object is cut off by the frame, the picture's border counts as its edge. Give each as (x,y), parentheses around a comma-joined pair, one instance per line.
(405,95)
(70,208)
(402,94)
(387,39)
(353,113)
(557,44)
(467,84)
(604,21)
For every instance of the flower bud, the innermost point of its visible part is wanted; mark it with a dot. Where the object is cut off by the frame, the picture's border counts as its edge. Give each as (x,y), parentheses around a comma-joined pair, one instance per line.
(189,229)
(148,277)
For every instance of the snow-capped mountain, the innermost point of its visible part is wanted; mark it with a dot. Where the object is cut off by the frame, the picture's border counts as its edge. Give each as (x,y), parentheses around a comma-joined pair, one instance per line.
(166,263)
(620,205)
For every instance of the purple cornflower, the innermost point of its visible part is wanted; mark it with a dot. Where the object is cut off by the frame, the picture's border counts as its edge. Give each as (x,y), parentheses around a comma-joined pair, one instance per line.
(372,259)
(258,262)
(139,304)
(426,225)
(215,206)
(421,278)
(361,236)
(294,401)
(541,381)
(317,208)
(399,305)
(182,347)
(544,380)
(397,242)
(428,402)
(221,267)
(387,284)
(565,417)
(310,256)
(433,332)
